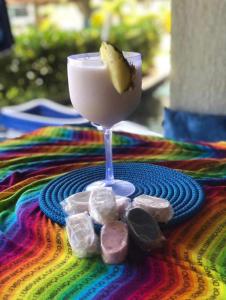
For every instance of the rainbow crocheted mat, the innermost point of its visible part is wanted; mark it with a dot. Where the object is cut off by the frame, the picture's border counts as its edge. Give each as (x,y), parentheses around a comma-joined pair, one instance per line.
(36,261)
(184,193)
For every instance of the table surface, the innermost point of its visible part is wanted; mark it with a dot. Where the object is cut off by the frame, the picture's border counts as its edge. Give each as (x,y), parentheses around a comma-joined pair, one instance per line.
(36,261)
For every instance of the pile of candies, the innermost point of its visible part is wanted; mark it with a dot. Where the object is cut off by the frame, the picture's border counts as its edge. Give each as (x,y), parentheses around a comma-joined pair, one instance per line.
(119,218)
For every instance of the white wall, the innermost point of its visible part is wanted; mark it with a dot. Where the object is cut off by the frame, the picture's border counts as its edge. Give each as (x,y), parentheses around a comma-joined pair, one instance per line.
(198,80)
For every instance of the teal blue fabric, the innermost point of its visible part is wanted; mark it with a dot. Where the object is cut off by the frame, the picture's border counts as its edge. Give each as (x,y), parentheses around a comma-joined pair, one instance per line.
(186,126)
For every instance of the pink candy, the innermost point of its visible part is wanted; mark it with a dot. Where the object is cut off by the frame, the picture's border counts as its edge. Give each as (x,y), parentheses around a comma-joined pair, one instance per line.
(114,242)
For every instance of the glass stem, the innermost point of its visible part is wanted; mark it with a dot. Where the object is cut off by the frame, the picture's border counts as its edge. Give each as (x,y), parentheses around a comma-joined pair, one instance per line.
(109,172)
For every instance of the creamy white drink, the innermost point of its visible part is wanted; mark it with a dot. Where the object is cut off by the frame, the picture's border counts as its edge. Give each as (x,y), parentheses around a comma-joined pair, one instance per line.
(105,88)
(93,94)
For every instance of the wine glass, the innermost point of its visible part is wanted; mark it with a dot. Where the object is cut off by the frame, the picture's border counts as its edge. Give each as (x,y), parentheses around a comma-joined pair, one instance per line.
(95,98)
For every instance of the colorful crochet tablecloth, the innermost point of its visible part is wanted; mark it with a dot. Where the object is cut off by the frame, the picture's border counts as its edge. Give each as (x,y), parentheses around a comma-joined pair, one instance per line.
(36,261)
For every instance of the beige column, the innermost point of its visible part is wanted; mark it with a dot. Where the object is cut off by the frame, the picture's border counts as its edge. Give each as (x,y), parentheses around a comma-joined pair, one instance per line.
(198,80)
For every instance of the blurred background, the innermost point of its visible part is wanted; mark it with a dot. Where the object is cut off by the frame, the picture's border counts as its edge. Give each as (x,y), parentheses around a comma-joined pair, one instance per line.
(45,32)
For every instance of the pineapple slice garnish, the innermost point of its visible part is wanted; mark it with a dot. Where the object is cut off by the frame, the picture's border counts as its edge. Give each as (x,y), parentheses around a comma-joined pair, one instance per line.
(121,72)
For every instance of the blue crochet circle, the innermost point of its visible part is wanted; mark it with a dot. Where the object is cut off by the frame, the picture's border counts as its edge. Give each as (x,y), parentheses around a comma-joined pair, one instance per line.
(184,193)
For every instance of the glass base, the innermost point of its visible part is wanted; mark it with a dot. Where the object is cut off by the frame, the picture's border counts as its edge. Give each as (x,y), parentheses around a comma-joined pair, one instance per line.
(119,187)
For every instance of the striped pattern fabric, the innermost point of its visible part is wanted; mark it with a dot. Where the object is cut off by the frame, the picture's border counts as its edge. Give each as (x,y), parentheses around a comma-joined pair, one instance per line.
(36,261)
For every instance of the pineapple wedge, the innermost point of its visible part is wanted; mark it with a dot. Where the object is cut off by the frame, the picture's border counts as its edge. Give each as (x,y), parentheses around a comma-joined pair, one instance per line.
(121,72)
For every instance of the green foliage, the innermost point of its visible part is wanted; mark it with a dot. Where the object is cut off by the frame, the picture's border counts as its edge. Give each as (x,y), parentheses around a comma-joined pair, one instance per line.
(37,65)
(141,36)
